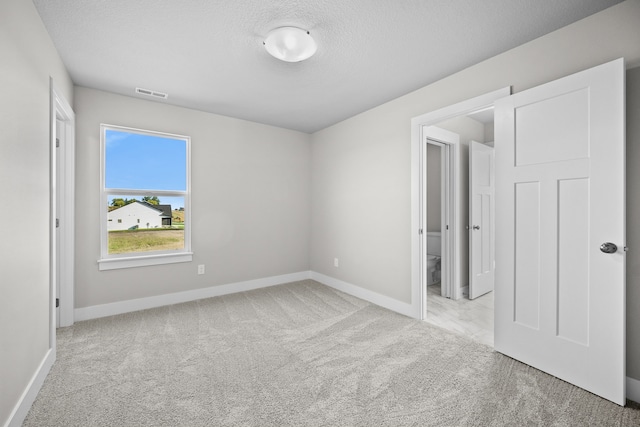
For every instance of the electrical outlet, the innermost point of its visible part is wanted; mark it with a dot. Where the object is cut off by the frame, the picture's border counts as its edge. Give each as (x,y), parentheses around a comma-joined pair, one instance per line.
(336,263)
(201,269)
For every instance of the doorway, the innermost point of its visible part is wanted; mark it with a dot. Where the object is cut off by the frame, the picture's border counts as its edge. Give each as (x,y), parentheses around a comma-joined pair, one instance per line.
(460,302)
(440,210)
(447,304)
(62,178)
(437,196)
(561,195)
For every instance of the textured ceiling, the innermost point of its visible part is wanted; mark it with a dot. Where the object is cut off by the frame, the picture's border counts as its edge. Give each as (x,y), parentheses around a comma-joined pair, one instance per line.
(208,55)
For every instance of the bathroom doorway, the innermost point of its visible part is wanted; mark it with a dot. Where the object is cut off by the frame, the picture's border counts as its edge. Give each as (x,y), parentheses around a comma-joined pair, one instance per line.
(447,303)
(451,255)
(440,211)
(462,307)
(436,189)
(440,216)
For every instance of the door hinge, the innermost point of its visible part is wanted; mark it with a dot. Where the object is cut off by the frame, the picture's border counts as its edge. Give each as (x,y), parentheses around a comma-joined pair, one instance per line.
(57,222)
(447,226)
(57,302)
(57,142)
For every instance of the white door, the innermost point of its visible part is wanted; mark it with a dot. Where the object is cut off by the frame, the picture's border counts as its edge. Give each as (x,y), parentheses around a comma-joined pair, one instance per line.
(560,195)
(481,218)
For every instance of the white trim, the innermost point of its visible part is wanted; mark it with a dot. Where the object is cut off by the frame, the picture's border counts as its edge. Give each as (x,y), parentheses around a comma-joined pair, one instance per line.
(20,411)
(53,239)
(65,194)
(633,389)
(367,295)
(144,260)
(111,309)
(417,124)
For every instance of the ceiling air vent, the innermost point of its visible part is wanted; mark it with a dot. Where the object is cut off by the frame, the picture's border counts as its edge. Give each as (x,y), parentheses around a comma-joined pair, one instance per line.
(153,93)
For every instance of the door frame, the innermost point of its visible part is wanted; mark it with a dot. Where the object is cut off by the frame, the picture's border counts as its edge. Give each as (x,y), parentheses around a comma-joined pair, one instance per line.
(417,236)
(450,210)
(62,203)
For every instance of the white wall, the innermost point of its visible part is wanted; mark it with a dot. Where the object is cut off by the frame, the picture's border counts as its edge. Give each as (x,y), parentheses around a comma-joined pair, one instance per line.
(27,60)
(361,166)
(250,199)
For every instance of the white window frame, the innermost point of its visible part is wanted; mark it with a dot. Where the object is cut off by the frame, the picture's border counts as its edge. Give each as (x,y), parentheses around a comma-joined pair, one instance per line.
(139,259)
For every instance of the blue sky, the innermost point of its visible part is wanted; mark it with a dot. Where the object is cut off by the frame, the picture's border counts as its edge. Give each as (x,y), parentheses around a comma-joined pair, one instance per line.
(135,161)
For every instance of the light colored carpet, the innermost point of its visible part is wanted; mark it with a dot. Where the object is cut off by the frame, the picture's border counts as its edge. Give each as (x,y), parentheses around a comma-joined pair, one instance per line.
(299,354)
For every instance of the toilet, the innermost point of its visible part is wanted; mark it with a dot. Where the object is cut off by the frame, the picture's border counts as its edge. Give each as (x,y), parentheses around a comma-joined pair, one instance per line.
(433,257)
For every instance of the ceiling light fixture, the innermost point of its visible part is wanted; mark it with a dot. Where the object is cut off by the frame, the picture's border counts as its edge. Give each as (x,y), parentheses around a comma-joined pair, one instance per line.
(290,44)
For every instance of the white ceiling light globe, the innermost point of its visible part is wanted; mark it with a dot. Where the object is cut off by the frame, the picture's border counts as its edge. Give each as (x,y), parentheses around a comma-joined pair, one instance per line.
(290,44)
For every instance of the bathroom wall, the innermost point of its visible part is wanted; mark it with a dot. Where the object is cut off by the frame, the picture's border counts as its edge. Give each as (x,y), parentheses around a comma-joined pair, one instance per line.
(434,186)
(488,133)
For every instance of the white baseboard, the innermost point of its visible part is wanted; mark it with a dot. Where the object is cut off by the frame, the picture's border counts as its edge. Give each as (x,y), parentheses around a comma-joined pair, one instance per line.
(365,294)
(633,389)
(104,310)
(30,393)
(120,307)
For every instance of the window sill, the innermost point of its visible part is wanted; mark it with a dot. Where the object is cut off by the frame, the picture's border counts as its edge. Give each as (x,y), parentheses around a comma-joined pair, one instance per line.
(143,260)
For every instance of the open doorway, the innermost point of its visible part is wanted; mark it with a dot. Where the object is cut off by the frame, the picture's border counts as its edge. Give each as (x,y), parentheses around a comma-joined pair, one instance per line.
(466,304)
(440,210)
(447,302)
(437,189)
(62,199)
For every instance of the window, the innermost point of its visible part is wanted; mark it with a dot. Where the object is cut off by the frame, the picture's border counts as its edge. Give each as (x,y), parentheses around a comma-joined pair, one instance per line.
(145,189)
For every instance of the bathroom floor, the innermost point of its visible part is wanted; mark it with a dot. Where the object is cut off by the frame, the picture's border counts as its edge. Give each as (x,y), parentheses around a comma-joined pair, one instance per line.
(473,318)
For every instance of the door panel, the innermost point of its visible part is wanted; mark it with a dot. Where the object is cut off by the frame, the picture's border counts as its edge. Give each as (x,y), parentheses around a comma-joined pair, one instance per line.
(573,259)
(481,214)
(560,194)
(527,255)
(535,144)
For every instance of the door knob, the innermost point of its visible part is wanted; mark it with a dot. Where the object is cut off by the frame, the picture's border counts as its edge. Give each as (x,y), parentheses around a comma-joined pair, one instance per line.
(476,227)
(608,248)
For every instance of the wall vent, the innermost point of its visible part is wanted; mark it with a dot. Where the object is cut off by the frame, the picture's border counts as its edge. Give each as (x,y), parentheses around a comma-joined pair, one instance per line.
(153,93)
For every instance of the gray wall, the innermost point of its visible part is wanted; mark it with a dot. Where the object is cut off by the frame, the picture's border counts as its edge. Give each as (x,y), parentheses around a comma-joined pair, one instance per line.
(488,133)
(361,166)
(434,187)
(250,199)
(633,223)
(27,60)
